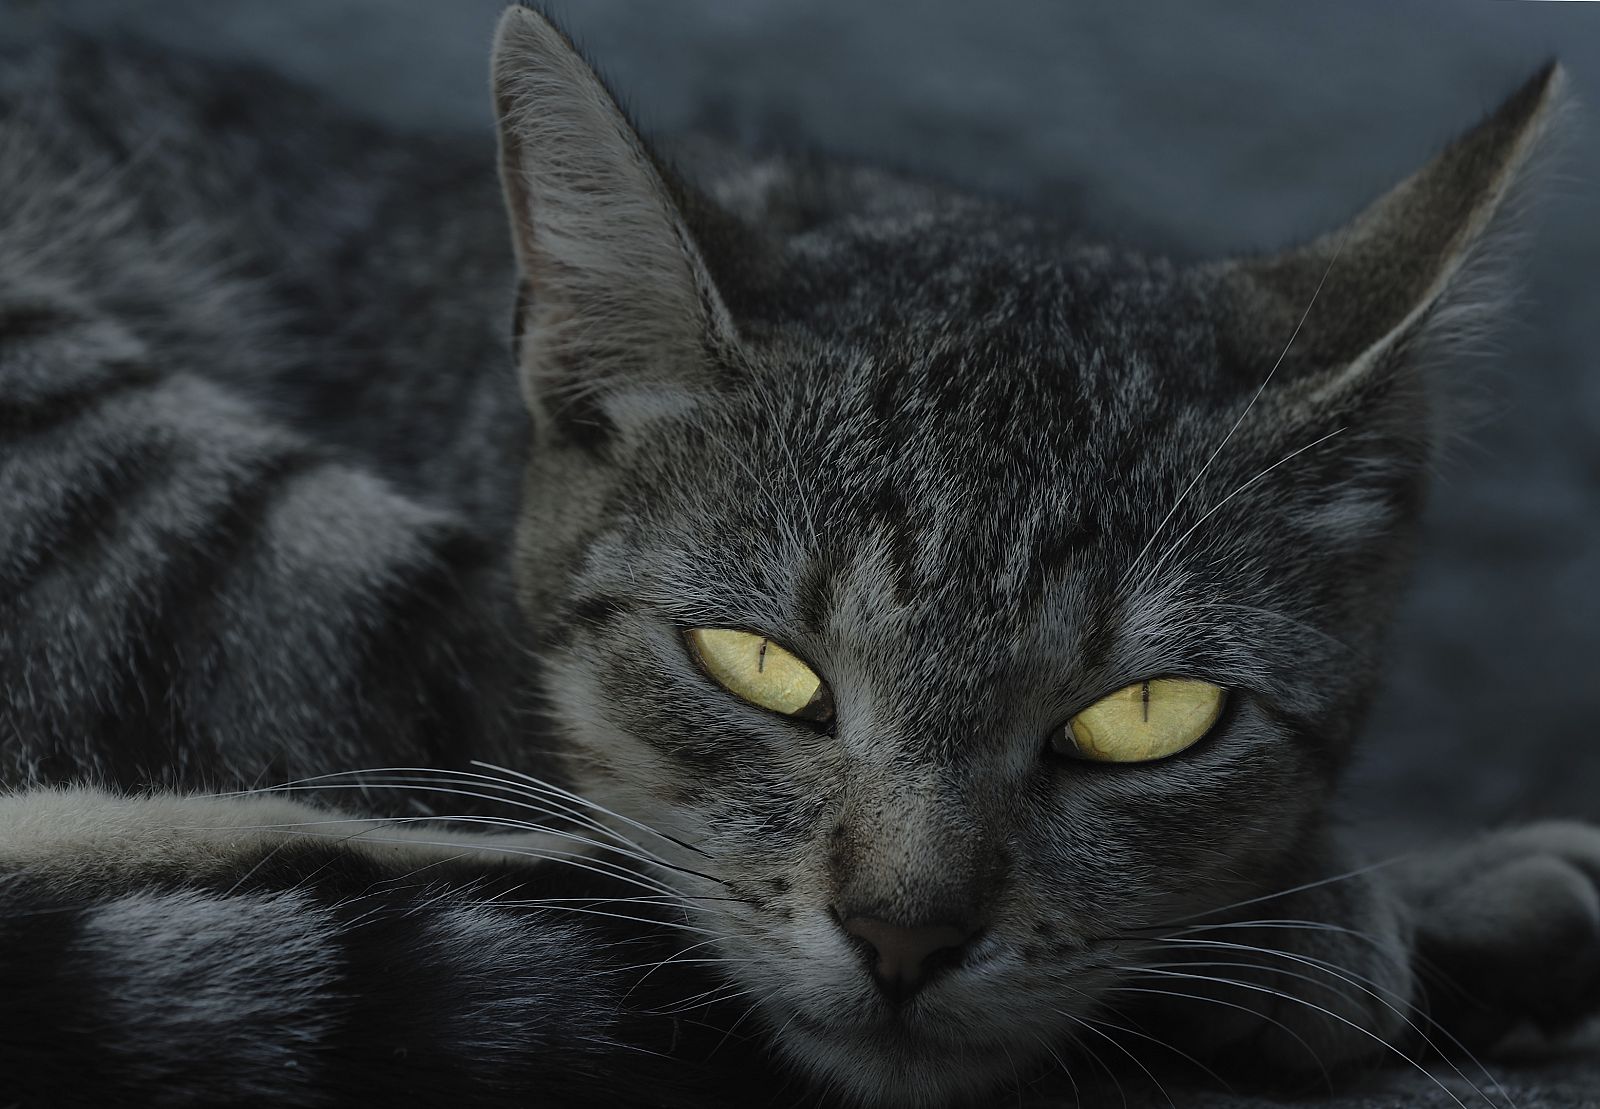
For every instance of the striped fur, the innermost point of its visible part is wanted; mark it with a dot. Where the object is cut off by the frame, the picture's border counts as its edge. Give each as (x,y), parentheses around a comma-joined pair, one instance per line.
(274,511)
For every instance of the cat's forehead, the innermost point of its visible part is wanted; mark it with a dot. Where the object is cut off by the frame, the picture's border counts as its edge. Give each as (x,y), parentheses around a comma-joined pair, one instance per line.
(1018,405)
(1012,410)
(974,312)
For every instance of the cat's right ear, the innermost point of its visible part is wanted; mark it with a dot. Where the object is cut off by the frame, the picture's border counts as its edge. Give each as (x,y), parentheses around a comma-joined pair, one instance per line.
(1353,314)
(613,293)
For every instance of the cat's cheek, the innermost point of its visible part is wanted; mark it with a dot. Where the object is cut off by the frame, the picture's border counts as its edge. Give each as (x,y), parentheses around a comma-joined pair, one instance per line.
(1194,827)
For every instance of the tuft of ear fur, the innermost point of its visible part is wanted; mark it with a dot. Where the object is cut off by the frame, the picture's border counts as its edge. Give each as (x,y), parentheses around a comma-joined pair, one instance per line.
(614,291)
(1411,271)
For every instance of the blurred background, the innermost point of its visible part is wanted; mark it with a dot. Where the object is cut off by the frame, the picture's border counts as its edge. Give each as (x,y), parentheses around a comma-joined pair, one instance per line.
(1181,127)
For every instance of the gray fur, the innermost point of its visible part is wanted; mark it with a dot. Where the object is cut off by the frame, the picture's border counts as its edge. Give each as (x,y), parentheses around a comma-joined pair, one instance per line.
(259,442)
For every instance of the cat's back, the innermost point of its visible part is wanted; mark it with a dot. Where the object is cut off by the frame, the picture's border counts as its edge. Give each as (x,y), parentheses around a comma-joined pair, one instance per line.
(351,280)
(257,427)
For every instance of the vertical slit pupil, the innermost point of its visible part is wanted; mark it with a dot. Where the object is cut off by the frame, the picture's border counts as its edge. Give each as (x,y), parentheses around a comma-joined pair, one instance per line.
(1144,699)
(761,658)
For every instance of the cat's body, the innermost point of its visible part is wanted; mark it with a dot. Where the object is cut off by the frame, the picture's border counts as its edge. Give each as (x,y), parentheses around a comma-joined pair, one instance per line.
(221,574)
(262,453)
(244,276)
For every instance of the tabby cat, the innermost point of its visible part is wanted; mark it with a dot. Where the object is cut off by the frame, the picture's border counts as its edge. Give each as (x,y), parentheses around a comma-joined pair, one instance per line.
(904,641)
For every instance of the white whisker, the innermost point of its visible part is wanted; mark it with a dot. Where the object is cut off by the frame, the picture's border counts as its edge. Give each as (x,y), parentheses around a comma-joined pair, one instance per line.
(1322,1009)
(1344,877)
(1262,388)
(1326,1077)
(1134,1058)
(581,862)
(1214,509)
(1367,985)
(584,801)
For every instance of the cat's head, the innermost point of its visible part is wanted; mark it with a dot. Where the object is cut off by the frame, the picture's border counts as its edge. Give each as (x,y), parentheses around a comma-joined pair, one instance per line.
(947,489)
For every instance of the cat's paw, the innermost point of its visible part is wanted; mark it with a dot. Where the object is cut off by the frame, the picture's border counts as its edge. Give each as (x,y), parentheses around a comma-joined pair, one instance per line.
(1508,930)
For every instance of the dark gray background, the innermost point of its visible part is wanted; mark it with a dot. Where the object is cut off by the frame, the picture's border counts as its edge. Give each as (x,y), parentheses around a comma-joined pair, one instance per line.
(1197,128)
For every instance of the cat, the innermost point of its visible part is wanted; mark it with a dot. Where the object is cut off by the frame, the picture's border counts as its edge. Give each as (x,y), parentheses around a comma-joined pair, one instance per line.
(933,636)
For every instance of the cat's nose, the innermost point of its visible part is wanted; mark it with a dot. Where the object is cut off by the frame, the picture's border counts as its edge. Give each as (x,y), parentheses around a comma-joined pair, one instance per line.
(903,958)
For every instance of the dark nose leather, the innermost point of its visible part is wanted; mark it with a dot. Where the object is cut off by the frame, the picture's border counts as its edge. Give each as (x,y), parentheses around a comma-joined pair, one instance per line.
(904,957)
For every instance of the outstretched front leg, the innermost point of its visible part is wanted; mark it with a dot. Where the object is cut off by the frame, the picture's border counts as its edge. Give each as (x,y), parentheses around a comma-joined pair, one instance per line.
(1440,953)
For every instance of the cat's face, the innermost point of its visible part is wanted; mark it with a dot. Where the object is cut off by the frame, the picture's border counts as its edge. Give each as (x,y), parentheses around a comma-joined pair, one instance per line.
(965,534)
(975,479)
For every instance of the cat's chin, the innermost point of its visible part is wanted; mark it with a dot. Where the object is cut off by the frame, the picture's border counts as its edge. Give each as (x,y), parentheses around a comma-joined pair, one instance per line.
(894,1062)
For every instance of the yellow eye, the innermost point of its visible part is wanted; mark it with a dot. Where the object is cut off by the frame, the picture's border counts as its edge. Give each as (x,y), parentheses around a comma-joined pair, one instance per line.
(756,669)
(1144,721)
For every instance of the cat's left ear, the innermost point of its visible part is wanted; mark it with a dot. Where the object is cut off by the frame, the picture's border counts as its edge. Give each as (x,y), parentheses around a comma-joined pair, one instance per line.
(1412,269)
(614,295)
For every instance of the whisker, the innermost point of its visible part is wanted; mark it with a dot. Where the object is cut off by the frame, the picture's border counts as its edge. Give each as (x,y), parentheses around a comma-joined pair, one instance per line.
(467,777)
(468,846)
(1094,1057)
(581,862)
(732,1028)
(708,961)
(1214,509)
(674,899)
(1324,1010)
(778,421)
(641,855)
(545,803)
(1426,965)
(584,801)
(1134,1058)
(670,958)
(652,922)
(1213,1075)
(718,995)
(1066,1072)
(1016,1078)
(1367,985)
(1326,1077)
(1345,877)
(1262,388)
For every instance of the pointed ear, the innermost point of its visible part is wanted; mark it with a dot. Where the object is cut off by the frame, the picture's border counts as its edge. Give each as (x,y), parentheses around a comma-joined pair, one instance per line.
(1410,270)
(613,291)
